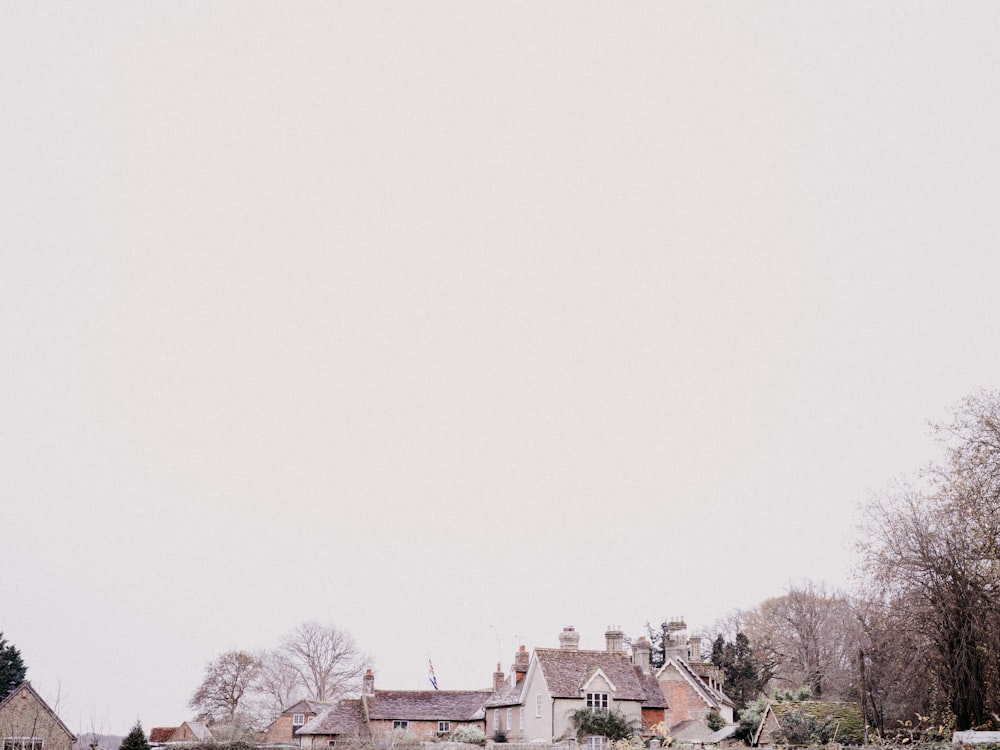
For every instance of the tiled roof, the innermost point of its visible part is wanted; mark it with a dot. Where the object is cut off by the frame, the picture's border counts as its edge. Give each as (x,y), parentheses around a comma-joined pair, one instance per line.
(566,671)
(344,718)
(651,686)
(509,694)
(161,734)
(427,705)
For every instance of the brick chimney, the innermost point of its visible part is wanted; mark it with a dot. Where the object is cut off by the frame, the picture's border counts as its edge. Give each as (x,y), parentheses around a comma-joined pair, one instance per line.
(498,679)
(368,684)
(569,639)
(640,654)
(614,640)
(520,667)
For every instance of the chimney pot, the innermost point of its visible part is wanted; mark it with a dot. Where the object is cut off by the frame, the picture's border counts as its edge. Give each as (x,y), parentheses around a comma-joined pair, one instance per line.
(569,639)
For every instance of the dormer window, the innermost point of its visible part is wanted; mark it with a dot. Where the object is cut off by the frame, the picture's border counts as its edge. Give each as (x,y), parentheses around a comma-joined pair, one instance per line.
(298,720)
(597,701)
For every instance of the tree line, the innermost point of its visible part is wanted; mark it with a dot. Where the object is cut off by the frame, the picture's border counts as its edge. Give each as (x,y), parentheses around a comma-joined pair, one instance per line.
(920,639)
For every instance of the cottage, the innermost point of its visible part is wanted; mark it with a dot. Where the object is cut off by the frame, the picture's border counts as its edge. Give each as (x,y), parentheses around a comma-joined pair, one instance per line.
(377,714)
(559,681)
(27,722)
(282,730)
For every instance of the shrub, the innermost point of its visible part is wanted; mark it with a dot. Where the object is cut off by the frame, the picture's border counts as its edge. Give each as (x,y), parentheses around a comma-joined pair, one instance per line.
(714,720)
(470,735)
(611,724)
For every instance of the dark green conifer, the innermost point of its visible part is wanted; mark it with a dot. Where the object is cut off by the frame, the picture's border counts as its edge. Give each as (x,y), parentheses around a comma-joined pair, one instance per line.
(136,739)
(12,669)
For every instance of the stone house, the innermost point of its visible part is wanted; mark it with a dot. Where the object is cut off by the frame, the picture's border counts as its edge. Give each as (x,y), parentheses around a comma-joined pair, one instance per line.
(282,730)
(424,714)
(558,681)
(28,723)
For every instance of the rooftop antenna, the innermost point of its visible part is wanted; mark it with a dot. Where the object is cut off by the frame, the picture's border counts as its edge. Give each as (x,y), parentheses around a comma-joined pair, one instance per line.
(499,650)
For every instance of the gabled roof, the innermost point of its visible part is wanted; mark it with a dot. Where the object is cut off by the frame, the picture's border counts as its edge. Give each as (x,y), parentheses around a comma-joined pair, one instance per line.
(344,717)
(19,691)
(198,729)
(307,706)
(509,693)
(712,697)
(427,705)
(161,734)
(567,671)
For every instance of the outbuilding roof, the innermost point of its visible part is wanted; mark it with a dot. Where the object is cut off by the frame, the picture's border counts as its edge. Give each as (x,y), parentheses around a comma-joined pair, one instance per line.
(427,705)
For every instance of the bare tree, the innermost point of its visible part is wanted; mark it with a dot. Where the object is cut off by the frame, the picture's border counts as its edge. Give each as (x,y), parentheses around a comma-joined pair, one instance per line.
(806,637)
(278,685)
(326,659)
(222,697)
(933,550)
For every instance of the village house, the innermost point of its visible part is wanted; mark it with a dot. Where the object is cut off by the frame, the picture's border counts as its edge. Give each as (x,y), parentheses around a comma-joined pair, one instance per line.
(537,702)
(378,714)
(27,722)
(691,686)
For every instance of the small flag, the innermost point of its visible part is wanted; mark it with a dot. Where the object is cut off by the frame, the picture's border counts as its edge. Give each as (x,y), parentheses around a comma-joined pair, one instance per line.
(430,673)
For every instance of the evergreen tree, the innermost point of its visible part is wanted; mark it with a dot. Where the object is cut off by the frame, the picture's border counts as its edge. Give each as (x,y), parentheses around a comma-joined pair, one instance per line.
(743,682)
(136,739)
(12,669)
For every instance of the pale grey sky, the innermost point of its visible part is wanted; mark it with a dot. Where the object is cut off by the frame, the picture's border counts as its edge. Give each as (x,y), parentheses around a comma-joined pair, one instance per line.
(456,323)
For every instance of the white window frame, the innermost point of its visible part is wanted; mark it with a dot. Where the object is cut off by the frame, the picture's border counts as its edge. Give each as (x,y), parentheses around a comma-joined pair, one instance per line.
(400,724)
(23,743)
(538,705)
(598,701)
(298,720)
(596,742)
(510,719)
(444,727)
(496,719)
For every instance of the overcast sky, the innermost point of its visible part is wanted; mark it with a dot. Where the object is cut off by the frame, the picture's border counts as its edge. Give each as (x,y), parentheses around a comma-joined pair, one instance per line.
(453,324)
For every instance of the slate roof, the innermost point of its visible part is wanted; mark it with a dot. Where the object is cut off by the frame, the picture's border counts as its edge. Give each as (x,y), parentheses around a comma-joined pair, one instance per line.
(427,705)
(567,671)
(343,717)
